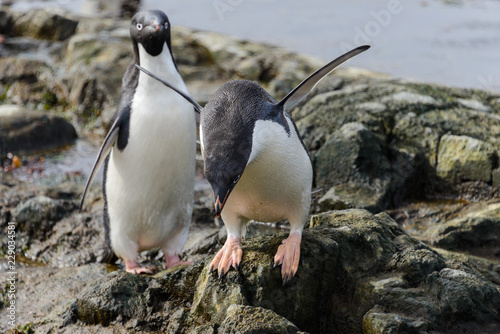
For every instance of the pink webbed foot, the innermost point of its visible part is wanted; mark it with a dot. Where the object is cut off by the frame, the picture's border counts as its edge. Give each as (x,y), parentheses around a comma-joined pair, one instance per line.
(288,256)
(133,268)
(174,261)
(229,255)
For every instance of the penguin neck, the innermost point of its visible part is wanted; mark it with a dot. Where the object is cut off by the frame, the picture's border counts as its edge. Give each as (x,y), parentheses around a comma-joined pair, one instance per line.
(162,65)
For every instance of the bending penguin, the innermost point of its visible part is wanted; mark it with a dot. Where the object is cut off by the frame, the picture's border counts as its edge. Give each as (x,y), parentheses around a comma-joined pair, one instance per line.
(257,164)
(149,153)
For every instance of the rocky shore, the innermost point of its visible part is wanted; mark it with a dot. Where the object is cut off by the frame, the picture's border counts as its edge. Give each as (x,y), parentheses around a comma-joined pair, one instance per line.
(404,234)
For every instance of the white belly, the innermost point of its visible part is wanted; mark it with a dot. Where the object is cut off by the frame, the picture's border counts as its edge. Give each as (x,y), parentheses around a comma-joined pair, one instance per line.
(276,183)
(150,184)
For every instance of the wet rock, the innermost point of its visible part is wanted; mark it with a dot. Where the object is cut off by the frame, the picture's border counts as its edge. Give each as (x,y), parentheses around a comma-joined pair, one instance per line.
(23,130)
(74,241)
(43,24)
(37,216)
(49,293)
(465,158)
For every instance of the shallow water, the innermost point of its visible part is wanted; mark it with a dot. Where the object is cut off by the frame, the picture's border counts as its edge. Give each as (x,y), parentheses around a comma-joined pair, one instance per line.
(449,42)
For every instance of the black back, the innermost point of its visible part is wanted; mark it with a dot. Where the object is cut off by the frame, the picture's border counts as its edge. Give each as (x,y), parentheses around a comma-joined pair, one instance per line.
(228,121)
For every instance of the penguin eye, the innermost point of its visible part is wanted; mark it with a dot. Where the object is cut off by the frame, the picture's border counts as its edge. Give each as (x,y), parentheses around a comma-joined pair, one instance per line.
(237,179)
(139,26)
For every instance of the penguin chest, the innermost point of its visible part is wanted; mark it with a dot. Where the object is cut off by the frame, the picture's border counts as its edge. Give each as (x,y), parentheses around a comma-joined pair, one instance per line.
(276,183)
(150,182)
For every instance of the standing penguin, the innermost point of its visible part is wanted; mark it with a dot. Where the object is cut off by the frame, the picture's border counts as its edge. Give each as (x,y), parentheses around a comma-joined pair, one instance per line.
(257,164)
(149,174)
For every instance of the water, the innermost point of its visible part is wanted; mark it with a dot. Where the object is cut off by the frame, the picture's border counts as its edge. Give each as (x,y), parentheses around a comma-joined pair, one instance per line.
(454,43)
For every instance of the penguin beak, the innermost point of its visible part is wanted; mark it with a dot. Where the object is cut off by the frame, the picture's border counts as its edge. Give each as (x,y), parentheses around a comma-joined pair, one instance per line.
(156,26)
(219,205)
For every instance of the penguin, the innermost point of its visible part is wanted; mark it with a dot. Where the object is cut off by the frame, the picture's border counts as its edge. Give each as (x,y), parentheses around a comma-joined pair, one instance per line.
(149,153)
(257,164)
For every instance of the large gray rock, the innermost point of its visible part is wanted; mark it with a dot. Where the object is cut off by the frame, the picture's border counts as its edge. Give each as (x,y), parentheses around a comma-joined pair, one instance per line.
(23,130)
(5,22)
(407,122)
(465,158)
(43,24)
(477,228)
(353,161)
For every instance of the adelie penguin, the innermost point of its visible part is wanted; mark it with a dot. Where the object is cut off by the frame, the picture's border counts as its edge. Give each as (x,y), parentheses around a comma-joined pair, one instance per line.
(257,164)
(149,153)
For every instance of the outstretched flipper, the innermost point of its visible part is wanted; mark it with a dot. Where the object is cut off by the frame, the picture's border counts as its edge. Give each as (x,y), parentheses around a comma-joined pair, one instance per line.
(303,89)
(106,147)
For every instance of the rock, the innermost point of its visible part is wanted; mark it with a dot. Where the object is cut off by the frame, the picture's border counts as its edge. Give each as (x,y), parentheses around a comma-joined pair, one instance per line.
(23,130)
(465,158)
(247,319)
(495,177)
(477,228)
(353,161)
(120,294)
(5,23)
(49,293)
(115,9)
(43,24)
(74,241)
(368,275)
(407,121)
(37,216)
(473,104)
(29,83)
(412,100)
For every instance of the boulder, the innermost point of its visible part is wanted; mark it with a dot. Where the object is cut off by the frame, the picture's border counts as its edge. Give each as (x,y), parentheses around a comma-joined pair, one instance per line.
(43,24)
(353,161)
(23,130)
(5,22)
(476,228)
(462,158)
(30,83)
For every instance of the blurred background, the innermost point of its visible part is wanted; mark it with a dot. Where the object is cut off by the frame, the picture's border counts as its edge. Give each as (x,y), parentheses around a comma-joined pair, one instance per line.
(448,42)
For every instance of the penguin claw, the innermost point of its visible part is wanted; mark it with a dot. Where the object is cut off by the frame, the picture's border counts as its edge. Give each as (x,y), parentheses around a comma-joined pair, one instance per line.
(288,256)
(228,256)
(286,278)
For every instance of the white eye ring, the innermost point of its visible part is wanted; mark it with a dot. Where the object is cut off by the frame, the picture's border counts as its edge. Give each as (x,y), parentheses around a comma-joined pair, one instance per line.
(139,26)
(166,25)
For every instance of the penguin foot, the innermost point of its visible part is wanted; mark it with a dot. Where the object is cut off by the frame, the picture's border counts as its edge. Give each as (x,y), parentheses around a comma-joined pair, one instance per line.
(133,268)
(174,261)
(288,256)
(229,255)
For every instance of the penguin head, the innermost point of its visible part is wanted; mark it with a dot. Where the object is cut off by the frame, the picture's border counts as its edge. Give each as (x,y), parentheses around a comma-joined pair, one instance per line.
(151,29)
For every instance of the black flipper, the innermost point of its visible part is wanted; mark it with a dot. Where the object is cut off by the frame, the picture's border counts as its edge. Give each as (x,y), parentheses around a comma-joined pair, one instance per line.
(197,107)
(106,147)
(303,89)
